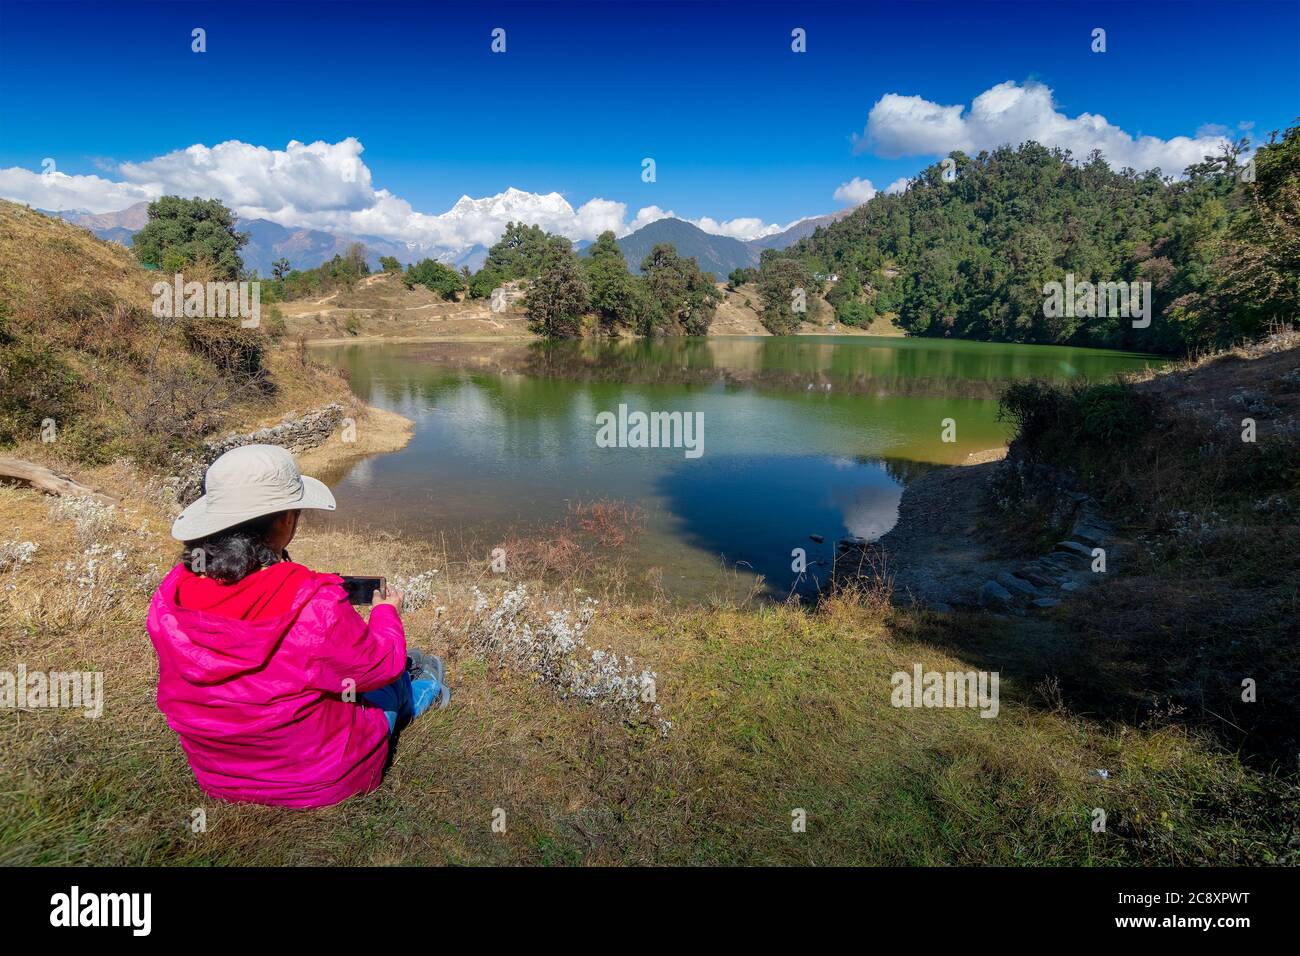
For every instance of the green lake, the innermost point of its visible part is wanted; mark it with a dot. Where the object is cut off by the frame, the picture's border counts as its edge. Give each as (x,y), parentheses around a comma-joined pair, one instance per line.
(801,436)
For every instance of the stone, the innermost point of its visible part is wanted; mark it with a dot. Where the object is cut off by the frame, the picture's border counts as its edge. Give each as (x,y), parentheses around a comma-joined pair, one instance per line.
(1092,537)
(993,594)
(1074,549)
(1036,574)
(1045,602)
(1017,585)
(1069,585)
(310,431)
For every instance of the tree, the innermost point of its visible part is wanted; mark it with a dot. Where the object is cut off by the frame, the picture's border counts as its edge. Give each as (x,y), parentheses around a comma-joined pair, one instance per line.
(355,260)
(558,297)
(484,282)
(435,277)
(682,299)
(1256,266)
(739,277)
(181,232)
(280,268)
(787,292)
(389,264)
(968,257)
(610,285)
(519,253)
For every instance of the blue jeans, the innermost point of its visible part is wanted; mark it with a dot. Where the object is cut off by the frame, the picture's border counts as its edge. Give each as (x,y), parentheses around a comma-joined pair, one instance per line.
(403,700)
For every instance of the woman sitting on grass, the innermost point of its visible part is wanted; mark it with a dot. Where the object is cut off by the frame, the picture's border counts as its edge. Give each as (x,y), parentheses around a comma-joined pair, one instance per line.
(278,689)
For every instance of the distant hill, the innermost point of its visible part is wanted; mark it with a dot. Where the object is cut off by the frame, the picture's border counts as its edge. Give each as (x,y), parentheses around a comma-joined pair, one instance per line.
(127,220)
(268,241)
(800,230)
(716,254)
(308,248)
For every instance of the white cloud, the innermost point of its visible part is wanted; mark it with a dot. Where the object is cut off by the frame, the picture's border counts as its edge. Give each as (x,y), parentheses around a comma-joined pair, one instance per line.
(856,191)
(1011,113)
(899,185)
(909,126)
(58,191)
(647,215)
(328,186)
(741,228)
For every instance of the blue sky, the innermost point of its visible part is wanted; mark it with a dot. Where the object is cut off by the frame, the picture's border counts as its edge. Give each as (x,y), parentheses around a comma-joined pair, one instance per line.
(738,124)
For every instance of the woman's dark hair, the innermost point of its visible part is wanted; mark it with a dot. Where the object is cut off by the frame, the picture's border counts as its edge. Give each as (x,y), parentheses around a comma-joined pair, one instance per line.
(233,554)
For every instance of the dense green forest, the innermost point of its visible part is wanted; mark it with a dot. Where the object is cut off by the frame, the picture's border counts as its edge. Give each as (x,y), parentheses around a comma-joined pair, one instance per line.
(968,255)
(970,249)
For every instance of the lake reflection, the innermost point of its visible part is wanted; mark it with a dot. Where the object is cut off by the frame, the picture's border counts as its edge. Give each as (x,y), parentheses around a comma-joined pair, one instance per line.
(802,436)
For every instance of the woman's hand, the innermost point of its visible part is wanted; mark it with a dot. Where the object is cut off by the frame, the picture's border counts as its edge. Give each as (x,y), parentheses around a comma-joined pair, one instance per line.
(393,599)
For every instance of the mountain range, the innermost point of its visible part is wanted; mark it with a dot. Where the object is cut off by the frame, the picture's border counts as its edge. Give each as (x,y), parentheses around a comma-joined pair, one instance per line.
(308,248)
(716,254)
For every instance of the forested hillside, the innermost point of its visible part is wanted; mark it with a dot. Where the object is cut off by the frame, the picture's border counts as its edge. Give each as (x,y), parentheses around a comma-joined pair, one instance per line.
(968,256)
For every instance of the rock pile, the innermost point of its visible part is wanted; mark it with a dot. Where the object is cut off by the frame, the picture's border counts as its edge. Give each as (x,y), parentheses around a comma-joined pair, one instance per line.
(1039,583)
(295,434)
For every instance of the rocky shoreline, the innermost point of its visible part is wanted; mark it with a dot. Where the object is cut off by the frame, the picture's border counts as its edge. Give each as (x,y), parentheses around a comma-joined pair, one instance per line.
(939,554)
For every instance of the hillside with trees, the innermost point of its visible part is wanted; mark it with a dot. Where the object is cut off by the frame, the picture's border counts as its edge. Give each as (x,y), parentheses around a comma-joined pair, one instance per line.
(969,258)
(86,359)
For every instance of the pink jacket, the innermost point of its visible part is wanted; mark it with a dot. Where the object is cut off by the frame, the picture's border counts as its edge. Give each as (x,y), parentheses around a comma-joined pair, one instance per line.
(258,705)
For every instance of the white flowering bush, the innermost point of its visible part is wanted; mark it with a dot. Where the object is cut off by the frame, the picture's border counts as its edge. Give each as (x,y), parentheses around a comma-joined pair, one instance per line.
(417,588)
(551,646)
(95,582)
(93,518)
(14,554)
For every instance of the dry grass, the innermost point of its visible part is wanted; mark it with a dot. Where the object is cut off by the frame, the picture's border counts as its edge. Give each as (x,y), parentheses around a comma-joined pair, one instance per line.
(380,307)
(80,347)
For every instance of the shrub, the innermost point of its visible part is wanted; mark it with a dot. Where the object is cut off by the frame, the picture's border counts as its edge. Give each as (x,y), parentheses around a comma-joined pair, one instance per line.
(1111,413)
(435,277)
(275,327)
(34,385)
(235,351)
(1070,422)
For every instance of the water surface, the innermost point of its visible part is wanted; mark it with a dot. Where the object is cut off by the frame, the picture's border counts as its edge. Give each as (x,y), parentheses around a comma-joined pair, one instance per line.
(801,436)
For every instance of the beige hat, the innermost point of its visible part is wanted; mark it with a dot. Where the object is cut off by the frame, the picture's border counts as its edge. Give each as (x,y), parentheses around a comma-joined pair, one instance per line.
(246,483)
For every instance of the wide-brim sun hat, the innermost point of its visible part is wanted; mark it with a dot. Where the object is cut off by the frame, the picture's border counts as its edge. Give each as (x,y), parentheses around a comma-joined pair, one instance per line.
(247,483)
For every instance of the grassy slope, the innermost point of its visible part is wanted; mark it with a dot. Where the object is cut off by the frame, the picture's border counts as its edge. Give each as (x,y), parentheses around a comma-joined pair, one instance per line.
(773,708)
(78,345)
(1211,595)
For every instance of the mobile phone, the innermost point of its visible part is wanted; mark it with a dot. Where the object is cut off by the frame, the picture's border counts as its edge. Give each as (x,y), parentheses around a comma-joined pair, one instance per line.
(360,589)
